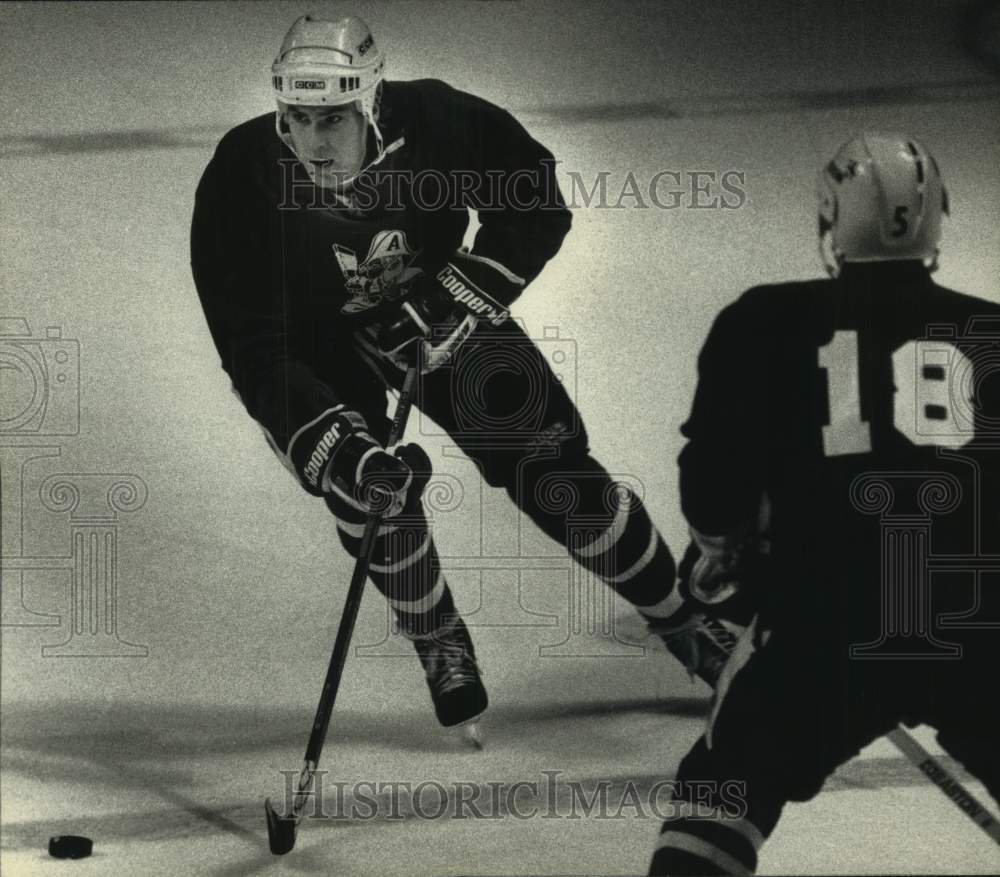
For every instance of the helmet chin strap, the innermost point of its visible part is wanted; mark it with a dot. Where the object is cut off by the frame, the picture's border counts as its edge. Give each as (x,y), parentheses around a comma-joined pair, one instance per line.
(344,188)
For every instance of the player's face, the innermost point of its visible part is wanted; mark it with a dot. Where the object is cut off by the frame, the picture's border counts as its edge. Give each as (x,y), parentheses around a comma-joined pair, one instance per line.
(331,139)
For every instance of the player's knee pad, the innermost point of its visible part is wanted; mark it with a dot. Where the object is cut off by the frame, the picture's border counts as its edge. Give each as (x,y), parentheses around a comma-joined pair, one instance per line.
(561,444)
(571,484)
(567,462)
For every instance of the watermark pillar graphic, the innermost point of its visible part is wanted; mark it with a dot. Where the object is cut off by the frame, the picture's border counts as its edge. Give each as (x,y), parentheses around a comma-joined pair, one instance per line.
(93,502)
(502,570)
(907,615)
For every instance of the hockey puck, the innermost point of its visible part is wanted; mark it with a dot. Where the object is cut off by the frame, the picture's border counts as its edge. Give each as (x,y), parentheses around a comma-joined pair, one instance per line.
(70,846)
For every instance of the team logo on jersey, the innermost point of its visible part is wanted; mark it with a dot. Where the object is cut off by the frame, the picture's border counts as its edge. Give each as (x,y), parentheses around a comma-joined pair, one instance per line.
(381,276)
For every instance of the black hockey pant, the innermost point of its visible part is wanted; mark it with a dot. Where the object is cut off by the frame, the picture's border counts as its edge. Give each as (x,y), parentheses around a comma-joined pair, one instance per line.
(505,406)
(790,718)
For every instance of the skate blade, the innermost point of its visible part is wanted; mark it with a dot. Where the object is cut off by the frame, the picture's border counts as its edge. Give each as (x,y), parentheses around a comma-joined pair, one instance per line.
(469,732)
(472,733)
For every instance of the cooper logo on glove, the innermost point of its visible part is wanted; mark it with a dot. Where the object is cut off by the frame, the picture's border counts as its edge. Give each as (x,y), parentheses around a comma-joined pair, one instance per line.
(470,296)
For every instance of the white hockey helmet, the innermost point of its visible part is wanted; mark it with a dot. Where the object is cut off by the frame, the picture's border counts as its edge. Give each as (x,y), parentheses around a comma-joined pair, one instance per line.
(324,62)
(880,199)
(330,63)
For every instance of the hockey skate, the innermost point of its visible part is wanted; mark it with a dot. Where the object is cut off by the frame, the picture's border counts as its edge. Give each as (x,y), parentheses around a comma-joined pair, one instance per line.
(453,677)
(701,643)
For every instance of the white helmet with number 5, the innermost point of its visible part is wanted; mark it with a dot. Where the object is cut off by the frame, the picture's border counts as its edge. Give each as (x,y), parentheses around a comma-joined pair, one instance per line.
(880,199)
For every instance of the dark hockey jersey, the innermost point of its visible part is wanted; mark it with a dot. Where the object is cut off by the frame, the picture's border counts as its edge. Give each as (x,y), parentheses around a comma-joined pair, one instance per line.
(275,259)
(868,410)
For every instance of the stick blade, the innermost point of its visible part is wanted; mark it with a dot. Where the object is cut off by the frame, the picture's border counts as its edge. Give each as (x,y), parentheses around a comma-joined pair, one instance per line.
(280,830)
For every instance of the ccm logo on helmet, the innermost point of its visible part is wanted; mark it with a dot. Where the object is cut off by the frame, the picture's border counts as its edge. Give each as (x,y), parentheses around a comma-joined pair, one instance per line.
(473,300)
(309,84)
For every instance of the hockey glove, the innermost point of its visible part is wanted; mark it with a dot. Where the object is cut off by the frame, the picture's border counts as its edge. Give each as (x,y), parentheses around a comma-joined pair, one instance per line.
(389,483)
(724,571)
(427,307)
(710,568)
(338,450)
(720,578)
(444,309)
(314,447)
(727,585)
(701,642)
(427,328)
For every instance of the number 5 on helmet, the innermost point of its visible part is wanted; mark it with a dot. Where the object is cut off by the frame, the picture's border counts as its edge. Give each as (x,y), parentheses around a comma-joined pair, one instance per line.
(881,198)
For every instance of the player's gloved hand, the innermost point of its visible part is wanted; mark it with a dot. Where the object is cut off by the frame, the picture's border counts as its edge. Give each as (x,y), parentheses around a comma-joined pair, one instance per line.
(442,309)
(380,480)
(701,642)
(727,585)
(710,567)
(427,328)
(723,571)
(388,482)
(427,307)
(337,451)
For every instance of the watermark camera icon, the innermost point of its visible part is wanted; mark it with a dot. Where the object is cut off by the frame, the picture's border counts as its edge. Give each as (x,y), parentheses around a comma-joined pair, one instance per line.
(40,379)
(501,381)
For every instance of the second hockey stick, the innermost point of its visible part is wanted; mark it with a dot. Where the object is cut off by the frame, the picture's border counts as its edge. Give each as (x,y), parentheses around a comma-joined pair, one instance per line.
(932,768)
(281,827)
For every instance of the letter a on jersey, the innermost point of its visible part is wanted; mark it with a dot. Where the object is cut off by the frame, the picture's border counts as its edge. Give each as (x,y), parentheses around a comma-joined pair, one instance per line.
(386,268)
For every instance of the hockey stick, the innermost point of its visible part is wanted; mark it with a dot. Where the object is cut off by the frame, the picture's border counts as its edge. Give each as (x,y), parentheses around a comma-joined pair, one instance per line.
(281,827)
(906,743)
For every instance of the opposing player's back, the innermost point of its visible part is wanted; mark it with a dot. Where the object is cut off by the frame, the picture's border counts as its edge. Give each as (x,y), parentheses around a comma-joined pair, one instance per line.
(880,367)
(851,400)
(842,481)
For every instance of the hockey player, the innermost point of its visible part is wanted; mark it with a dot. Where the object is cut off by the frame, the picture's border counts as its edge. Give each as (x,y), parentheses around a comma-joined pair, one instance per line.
(327,251)
(865,409)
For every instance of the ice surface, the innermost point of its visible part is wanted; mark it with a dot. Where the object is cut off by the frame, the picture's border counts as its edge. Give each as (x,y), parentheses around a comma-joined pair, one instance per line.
(228,575)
